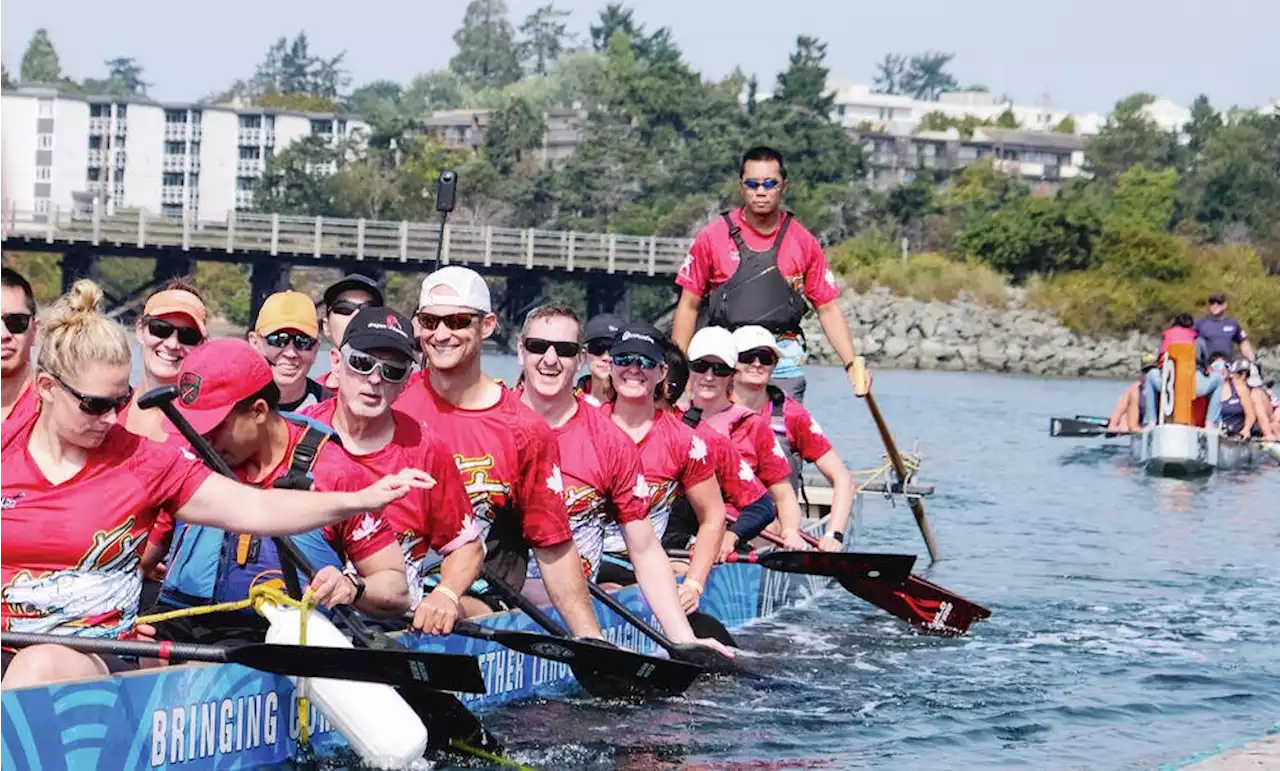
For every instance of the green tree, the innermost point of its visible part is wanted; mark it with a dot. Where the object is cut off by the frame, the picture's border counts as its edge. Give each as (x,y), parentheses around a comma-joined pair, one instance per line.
(293,182)
(1129,138)
(927,77)
(1236,181)
(371,96)
(544,38)
(1204,124)
(890,73)
(487,53)
(1143,200)
(40,61)
(804,82)
(1066,126)
(615,17)
(5,80)
(1032,235)
(513,130)
(1007,119)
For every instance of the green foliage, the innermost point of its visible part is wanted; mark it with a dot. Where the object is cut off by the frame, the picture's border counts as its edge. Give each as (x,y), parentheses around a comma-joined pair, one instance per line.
(1143,199)
(1130,138)
(1066,126)
(1032,235)
(1236,179)
(40,61)
(940,121)
(487,53)
(804,83)
(926,77)
(890,73)
(544,38)
(42,269)
(1007,119)
(124,79)
(513,130)
(1136,253)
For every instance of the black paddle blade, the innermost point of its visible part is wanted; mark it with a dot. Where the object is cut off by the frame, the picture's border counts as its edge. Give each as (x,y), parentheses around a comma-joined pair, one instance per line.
(706,625)
(928,607)
(842,566)
(702,656)
(602,669)
(1070,427)
(443,671)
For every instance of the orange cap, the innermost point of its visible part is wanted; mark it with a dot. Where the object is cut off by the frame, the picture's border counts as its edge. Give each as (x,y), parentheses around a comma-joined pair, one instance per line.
(177,301)
(288,310)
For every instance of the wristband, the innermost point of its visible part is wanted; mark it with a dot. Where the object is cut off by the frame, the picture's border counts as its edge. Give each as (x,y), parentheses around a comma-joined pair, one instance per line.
(696,584)
(447,592)
(358,582)
(849,366)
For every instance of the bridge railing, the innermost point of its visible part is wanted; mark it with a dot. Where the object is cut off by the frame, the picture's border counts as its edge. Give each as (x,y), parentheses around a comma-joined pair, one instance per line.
(299,238)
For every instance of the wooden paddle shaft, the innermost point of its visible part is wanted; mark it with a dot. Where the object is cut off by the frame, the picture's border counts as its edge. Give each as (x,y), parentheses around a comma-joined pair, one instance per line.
(917,507)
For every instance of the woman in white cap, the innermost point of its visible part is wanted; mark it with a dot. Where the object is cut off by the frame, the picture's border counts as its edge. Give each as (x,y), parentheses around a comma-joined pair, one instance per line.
(713,358)
(172,324)
(793,426)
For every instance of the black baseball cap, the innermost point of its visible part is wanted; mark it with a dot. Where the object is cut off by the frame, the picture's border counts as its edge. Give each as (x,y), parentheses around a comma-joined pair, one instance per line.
(353,281)
(375,327)
(1218,298)
(602,326)
(644,340)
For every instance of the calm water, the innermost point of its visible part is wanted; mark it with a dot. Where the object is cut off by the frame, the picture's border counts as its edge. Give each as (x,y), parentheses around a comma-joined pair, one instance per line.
(1133,619)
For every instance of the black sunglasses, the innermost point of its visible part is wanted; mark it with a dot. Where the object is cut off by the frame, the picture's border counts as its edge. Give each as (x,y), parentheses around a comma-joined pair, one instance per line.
(766,356)
(599,346)
(300,341)
(634,359)
(454,321)
(162,329)
(364,364)
(346,307)
(767,184)
(701,366)
(96,405)
(17,323)
(538,346)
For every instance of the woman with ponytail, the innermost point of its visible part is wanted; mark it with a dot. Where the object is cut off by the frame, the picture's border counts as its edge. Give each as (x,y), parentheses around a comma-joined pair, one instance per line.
(80,494)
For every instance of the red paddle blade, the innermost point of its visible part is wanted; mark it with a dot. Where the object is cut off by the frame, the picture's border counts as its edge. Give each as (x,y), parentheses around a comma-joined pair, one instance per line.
(931,609)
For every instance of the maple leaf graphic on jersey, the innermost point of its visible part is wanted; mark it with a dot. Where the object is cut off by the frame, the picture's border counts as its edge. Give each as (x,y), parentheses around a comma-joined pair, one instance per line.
(641,490)
(814,428)
(698,449)
(555,482)
(777,450)
(367,527)
(744,471)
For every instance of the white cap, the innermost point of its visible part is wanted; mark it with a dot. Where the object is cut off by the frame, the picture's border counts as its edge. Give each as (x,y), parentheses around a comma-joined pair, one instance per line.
(752,336)
(714,342)
(456,285)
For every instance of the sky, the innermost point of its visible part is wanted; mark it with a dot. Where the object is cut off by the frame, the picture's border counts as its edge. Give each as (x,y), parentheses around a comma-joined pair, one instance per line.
(1080,56)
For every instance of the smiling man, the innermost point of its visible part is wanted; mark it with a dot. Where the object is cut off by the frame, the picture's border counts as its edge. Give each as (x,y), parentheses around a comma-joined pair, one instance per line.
(18,303)
(286,335)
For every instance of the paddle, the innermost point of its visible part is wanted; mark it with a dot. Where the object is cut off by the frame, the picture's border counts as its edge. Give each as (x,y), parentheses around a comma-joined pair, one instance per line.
(694,653)
(610,672)
(447,671)
(1075,427)
(446,719)
(900,468)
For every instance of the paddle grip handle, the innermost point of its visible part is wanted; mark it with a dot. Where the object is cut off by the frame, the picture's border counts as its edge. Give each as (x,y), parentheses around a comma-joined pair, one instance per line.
(171,651)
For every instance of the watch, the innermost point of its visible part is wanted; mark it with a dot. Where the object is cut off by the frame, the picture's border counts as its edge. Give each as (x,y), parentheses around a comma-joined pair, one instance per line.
(358,582)
(836,535)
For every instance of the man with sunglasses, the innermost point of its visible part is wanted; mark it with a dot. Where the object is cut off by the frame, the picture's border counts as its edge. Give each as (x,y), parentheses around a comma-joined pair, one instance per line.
(597,337)
(757,265)
(286,335)
(341,300)
(796,430)
(372,366)
(18,400)
(1220,333)
(507,454)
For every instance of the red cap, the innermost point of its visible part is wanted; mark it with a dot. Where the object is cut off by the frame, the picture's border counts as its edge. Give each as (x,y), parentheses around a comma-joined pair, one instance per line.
(214,377)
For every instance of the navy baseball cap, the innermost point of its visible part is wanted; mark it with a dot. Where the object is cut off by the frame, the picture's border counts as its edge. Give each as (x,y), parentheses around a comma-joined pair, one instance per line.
(602,326)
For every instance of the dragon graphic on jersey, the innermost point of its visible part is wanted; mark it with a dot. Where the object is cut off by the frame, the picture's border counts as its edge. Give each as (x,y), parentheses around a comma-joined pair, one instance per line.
(485,495)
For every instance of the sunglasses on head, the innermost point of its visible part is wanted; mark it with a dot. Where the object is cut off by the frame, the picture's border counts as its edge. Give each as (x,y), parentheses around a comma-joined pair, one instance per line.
(97,405)
(766,356)
(346,307)
(300,341)
(362,363)
(538,346)
(17,323)
(455,321)
(634,360)
(700,367)
(767,184)
(161,329)
(600,346)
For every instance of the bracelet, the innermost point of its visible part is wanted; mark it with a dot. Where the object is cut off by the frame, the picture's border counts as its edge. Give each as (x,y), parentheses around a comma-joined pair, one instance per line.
(696,584)
(849,366)
(447,592)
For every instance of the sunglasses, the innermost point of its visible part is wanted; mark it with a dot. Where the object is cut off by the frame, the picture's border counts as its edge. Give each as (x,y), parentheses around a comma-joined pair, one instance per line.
(282,339)
(634,360)
(600,346)
(454,321)
(97,405)
(538,346)
(766,356)
(17,323)
(701,366)
(159,328)
(363,364)
(767,184)
(346,307)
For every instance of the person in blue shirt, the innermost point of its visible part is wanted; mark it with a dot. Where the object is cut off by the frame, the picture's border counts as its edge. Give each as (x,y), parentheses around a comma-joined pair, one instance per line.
(1220,332)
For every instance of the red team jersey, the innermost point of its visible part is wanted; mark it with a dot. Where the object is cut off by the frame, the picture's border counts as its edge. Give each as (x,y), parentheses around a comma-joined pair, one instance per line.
(674,459)
(738,481)
(754,440)
(72,551)
(604,481)
(508,458)
(439,519)
(803,432)
(24,409)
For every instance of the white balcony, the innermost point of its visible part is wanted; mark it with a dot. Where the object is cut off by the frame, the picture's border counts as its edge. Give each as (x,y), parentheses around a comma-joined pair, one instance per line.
(171,194)
(120,158)
(193,163)
(244,198)
(175,131)
(122,127)
(97,125)
(95,157)
(196,132)
(250,136)
(270,138)
(175,163)
(249,167)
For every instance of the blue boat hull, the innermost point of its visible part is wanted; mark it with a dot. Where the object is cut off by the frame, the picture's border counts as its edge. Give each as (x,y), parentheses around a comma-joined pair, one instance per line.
(230,717)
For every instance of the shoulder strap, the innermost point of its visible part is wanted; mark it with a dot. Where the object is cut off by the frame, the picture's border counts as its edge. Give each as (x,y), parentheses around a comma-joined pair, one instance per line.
(692,417)
(777,399)
(782,230)
(735,232)
(298,477)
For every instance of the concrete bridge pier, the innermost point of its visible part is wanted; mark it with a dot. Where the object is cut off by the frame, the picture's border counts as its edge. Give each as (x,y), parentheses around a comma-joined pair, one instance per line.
(267,278)
(608,294)
(77,263)
(178,266)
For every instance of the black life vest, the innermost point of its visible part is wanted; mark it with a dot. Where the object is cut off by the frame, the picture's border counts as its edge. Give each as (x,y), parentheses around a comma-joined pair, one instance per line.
(778,422)
(757,292)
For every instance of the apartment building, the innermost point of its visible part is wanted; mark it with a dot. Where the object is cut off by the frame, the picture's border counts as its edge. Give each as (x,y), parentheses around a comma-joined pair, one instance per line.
(465,129)
(65,153)
(1036,157)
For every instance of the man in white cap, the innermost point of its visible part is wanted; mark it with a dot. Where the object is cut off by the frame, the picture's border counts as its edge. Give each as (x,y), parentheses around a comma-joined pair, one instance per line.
(508,455)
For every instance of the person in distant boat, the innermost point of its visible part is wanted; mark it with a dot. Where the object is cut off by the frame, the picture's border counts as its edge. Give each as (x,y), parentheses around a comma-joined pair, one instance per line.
(602,469)
(80,495)
(1264,402)
(1208,382)
(507,454)
(1238,416)
(1221,332)
(1129,411)
(285,334)
(795,429)
(758,265)
(228,395)
(172,324)
(713,359)
(341,300)
(597,337)
(18,400)
(674,458)
(371,365)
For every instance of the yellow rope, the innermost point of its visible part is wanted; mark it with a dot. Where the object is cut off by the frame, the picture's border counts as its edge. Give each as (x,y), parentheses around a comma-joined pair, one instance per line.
(486,755)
